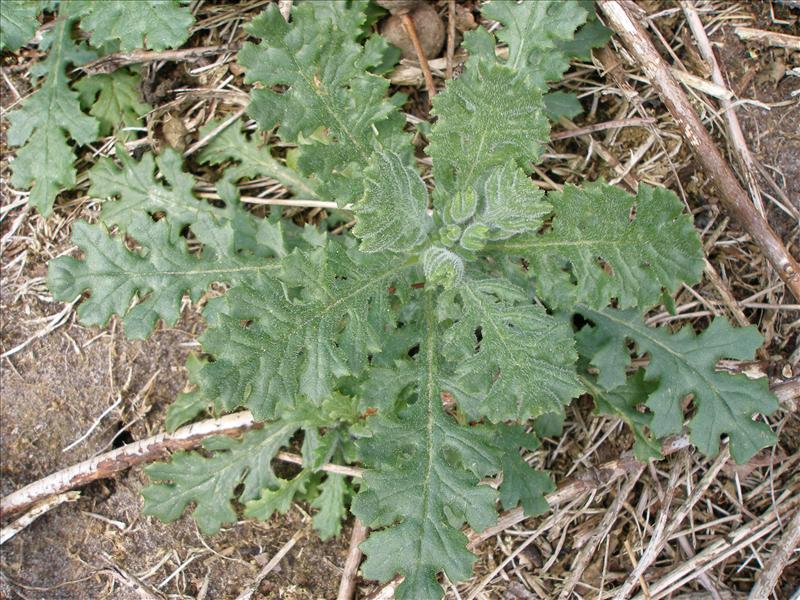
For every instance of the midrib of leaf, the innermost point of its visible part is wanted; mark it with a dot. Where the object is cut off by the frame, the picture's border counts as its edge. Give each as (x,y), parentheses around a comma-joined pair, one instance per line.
(431,407)
(123,271)
(55,73)
(514,63)
(534,243)
(679,357)
(318,315)
(474,163)
(278,171)
(193,272)
(324,99)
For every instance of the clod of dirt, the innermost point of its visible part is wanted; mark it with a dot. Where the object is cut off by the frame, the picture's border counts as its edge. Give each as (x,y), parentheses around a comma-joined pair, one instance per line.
(175,132)
(398,7)
(430,30)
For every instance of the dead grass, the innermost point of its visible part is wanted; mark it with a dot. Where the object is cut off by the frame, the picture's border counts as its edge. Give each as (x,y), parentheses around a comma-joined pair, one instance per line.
(705,536)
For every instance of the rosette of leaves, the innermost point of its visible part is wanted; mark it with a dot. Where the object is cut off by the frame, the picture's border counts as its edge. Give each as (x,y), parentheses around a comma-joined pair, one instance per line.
(426,344)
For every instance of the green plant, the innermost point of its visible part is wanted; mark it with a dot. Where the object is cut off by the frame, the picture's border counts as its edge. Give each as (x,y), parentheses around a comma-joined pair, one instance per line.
(54,113)
(425,345)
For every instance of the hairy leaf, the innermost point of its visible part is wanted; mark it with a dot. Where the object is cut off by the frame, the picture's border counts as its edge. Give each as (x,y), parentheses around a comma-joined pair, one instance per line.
(17,22)
(136,189)
(46,117)
(534,33)
(152,24)
(488,117)
(684,363)
(511,203)
(330,506)
(626,402)
(422,485)
(159,275)
(113,99)
(296,344)
(604,243)
(521,366)
(392,215)
(331,105)
(253,159)
(279,499)
(210,483)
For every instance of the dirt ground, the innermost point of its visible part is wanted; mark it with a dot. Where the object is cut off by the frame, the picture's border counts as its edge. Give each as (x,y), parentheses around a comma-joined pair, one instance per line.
(54,390)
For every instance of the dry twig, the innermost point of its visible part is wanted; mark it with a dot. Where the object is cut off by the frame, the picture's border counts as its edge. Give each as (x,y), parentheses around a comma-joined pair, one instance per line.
(788,545)
(771,38)
(347,584)
(620,17)
(731,120)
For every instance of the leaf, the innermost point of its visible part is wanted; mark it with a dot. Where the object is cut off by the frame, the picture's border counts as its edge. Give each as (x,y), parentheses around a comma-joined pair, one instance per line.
(392,215)
(591,35)
(113,99)
(332,106)
(624,402)
(297,344)
(512,204)
(562,104)
(277,500)
(442,267)
(151,24)
(487,118)
(136,189)
(535,33)
(18,22)
(422,484)
(604,243)
(520,367)
(159,275)
(253,160)
(684,363)
(210,483)
(331,507)
(522,484)
(41,125)
(187,405)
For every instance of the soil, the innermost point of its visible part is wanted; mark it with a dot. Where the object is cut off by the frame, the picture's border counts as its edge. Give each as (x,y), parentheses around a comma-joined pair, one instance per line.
(52,393)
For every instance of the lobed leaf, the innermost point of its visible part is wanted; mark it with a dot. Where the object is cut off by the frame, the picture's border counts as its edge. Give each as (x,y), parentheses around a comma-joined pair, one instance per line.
(297,343)
(18,22)
(159,275)
(684,363)
(332,106)
(392,215)
(151,24)
(604,243)
(41,125)
(541,37)
(520,366)
(330,505)
(487,118)
(252,159)
(210,483)
(626,402)
(522,485)
(113,99)
(422,483)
